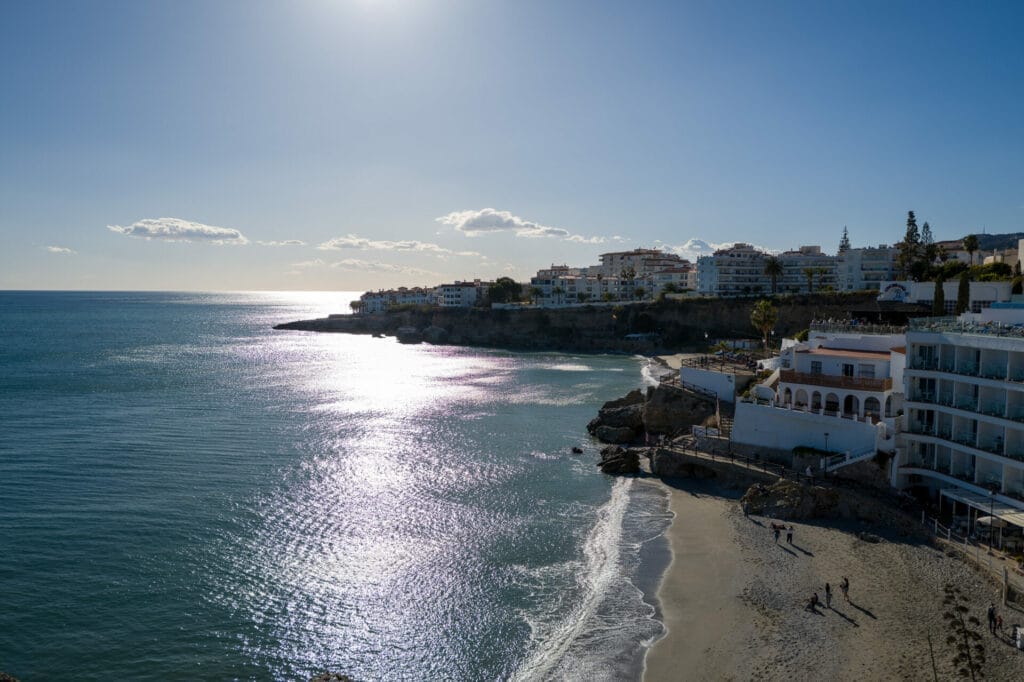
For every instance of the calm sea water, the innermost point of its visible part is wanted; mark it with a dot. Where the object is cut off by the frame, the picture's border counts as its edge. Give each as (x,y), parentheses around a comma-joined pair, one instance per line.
(188,494)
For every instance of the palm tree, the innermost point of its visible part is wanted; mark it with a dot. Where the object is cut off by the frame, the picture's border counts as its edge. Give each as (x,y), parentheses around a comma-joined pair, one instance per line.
(971,245)
(764,316)
(821,272)
(809,273)
(639,292)
(557,293)
(356,306)
(535,293)
(773,268)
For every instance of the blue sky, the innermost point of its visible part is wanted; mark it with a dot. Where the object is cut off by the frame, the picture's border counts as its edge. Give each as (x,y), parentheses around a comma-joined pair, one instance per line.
(355,144)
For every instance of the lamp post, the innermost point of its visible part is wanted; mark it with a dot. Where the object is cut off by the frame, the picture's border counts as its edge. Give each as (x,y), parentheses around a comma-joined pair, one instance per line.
(826,443)
(991,518)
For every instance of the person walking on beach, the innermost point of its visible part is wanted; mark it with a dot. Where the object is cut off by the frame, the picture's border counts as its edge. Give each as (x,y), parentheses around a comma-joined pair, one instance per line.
(775,531)
(828,595)
(992,618)
(789,535)
(845,587)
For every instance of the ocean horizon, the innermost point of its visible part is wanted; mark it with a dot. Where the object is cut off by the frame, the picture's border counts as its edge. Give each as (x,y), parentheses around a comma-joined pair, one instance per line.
(191,494)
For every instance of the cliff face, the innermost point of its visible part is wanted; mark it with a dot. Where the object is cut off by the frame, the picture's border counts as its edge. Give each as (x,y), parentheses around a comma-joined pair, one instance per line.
(672,324)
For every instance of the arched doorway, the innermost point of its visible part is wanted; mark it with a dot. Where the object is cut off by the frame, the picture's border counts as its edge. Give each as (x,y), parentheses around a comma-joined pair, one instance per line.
(851,406)
(872,407)
(816,401)
(801,398)
(832,403)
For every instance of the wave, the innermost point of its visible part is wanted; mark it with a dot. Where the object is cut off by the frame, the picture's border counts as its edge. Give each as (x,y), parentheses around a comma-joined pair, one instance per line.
(607,626)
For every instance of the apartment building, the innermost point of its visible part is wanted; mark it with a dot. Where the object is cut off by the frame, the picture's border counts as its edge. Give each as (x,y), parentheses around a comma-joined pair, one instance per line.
(964,430)
(865,268)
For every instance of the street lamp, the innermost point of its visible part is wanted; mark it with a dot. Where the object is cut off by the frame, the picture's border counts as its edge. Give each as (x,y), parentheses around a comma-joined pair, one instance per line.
(826,443)
(991,526)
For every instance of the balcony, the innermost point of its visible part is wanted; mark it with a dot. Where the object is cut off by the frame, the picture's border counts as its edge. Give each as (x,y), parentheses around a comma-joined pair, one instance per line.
(791,376)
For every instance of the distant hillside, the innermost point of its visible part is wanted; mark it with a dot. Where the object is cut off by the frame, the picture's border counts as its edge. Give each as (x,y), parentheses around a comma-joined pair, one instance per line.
(987,242)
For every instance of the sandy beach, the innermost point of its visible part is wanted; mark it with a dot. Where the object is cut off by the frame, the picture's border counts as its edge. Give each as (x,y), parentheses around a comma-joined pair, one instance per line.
(734,601)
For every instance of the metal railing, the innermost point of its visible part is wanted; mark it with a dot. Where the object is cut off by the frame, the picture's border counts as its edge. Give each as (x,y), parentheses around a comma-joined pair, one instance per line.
(791,376)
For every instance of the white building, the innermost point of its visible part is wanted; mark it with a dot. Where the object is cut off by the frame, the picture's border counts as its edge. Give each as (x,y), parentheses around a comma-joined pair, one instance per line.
(865,268)
(794,270)
(373,302)
(458,294)
(735,271)
(982,294)
(839,391)
(964,428)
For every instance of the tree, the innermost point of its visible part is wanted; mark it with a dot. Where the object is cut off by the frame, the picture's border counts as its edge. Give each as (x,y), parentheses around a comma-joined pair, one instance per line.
(971,245)
(1016,268)
(626,276)
(582,297)
(607,296)
(639,292)
(504,290)
(535,294)
(909,250)
(809,273)
(821,272)
(929,250)
(356,306)
(844,243)
(963,636)
(1018,285)
(773,268)
(764,316)
(939,298)
(556,293)
(963,293)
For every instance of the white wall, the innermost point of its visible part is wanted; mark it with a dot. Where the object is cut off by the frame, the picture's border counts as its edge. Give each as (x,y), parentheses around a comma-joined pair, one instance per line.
(832,365)
(721,384)
(782,429)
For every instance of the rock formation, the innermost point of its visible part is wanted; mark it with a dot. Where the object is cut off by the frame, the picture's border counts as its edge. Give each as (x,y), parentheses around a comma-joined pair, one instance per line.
(791,500)
(661,410)
(619,460)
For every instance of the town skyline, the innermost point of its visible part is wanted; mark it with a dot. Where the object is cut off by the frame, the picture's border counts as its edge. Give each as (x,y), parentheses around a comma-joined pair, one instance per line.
(361,145)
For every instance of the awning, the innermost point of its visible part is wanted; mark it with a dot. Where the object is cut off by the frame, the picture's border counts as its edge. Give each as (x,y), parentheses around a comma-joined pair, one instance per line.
(984,503)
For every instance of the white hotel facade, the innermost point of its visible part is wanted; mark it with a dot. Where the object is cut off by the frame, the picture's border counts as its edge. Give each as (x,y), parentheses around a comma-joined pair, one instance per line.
(964,427)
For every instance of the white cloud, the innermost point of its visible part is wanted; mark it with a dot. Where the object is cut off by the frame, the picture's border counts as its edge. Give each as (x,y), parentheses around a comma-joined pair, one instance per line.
(488,220)
(61,249)
(352,241)
(694,248)
(286,242)
(178,230)
(309,264)
(358,265)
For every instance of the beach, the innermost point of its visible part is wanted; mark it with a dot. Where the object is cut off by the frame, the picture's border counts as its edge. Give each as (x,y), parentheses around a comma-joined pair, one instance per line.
(734,602)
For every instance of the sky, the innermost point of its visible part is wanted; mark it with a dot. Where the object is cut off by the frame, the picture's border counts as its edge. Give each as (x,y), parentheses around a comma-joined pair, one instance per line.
(360,144)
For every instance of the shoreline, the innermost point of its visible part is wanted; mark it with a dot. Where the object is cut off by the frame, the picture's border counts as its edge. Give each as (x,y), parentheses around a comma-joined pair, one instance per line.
(733,602)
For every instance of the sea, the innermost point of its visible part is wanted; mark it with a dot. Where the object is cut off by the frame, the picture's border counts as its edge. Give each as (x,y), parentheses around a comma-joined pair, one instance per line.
(186,493)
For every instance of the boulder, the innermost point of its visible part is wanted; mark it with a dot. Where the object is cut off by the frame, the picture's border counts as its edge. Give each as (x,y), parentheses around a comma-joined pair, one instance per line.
(618,460)
(667,410)
(791,500)
(634,397)
(435,334)
(631,416)
(615,434)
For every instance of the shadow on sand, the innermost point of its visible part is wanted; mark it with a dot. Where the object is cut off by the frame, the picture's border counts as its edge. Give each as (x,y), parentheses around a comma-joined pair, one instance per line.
(798,547)
(842,615)
(863,610)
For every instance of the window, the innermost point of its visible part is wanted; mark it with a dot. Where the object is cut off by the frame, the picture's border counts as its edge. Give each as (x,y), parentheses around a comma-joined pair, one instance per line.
(866,371)
(847,370)
(816,367)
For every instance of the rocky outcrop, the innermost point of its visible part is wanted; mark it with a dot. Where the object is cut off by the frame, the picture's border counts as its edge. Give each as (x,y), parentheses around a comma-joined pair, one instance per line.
(436,335)
(668,409)
(646,328)
(791,500)
(661,410)
(615,434)
(619,421)
(618,460)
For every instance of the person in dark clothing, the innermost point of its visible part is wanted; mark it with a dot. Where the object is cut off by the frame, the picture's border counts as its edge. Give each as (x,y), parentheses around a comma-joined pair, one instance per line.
(828,595)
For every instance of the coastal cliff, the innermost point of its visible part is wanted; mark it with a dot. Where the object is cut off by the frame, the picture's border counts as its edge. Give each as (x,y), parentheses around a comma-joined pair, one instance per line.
(647,328)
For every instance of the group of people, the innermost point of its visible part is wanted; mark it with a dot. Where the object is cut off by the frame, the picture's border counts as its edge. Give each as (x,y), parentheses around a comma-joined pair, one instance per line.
(777,529)
(844,587)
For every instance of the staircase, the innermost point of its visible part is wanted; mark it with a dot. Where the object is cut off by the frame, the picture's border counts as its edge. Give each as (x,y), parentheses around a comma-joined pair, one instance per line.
(726,412)
(836,462)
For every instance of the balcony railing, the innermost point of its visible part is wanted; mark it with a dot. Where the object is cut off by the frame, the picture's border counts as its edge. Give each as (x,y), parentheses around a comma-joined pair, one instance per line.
(791,376)
(947,325)
(849,326)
